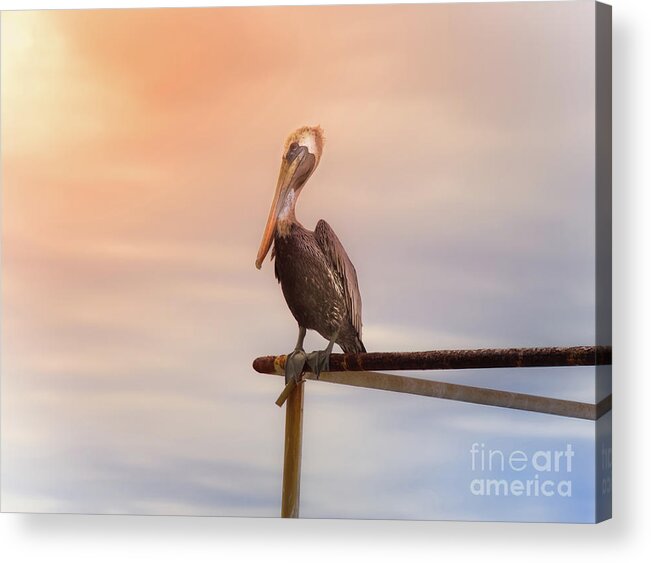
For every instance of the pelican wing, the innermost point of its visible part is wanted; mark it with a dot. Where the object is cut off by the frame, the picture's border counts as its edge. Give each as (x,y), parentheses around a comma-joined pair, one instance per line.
(336,255)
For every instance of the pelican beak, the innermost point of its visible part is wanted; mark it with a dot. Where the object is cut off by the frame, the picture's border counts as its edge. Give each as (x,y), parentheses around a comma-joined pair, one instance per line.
(290,178)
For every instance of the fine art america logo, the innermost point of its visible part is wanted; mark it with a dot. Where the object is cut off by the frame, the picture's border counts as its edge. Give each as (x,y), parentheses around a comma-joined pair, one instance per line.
(518,473)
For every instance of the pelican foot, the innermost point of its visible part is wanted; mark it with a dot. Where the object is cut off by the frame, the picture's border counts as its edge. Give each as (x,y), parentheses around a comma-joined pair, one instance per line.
(319,361)
(294,365)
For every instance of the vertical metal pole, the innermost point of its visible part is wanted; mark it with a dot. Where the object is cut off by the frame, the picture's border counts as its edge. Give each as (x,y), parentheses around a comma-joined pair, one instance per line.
(293,448)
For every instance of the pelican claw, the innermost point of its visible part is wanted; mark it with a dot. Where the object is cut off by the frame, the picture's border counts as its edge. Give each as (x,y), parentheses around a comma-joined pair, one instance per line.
(319,361)
(294,365)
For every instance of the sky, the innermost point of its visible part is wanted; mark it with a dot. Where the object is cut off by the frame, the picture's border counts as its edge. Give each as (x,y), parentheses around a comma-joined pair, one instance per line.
(140,150)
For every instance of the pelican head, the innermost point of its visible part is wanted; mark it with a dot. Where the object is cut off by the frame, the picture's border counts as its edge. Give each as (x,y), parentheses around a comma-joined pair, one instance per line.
(301,156)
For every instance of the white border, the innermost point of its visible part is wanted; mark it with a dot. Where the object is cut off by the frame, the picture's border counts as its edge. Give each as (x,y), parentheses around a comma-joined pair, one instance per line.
(161,539)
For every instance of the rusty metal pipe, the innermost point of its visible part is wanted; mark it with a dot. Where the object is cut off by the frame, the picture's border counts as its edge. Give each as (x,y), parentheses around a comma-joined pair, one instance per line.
(455,359)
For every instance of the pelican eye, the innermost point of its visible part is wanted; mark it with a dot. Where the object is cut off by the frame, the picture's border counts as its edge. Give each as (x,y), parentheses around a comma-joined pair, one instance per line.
(292,151)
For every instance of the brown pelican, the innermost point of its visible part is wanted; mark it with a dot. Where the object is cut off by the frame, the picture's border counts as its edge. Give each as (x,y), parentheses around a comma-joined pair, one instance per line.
(318,279)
